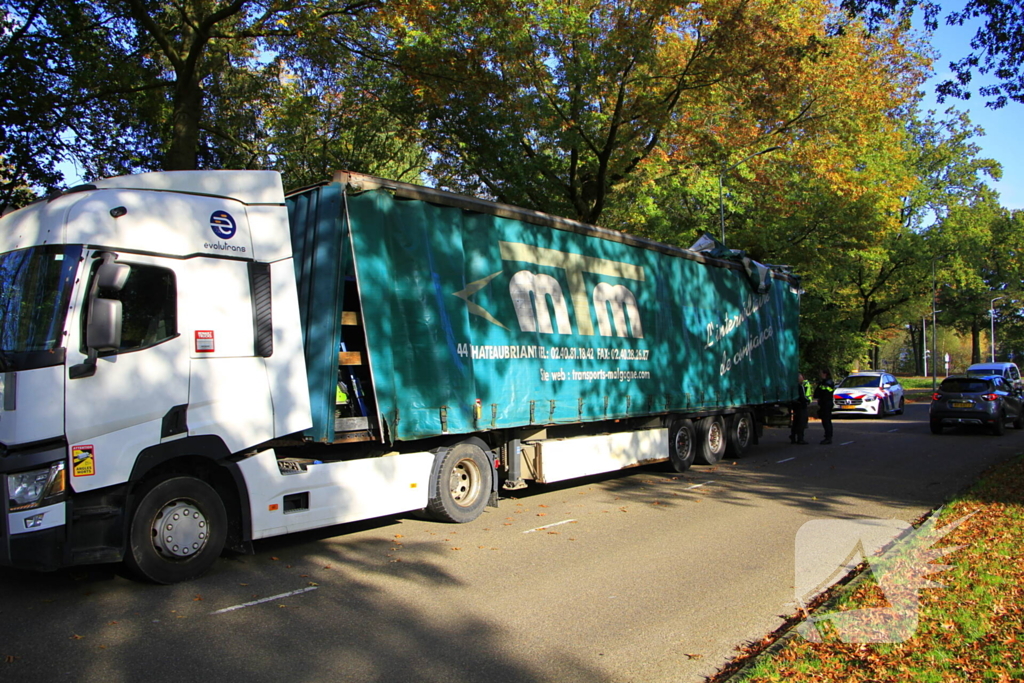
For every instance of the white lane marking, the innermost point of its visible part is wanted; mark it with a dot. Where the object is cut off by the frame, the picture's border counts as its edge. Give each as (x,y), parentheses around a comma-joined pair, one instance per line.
(786,460)
(548,526)
(846,443)
(697,486)
(272,597)
(894,430)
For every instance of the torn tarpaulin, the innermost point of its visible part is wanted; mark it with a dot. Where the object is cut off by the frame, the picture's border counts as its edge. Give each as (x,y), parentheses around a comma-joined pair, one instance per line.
(758,274)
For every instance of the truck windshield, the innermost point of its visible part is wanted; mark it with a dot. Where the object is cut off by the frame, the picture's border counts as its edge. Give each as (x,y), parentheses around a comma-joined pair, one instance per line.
(35,288)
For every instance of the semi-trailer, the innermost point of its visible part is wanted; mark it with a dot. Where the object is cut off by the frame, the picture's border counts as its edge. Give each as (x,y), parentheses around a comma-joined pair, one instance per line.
(192,361)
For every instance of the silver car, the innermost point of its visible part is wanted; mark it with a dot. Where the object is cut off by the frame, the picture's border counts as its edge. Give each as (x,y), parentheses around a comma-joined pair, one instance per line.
(1007,371)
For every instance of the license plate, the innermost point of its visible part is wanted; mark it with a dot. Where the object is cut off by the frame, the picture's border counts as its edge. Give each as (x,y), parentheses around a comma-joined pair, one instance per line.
(848,407)
(962,404)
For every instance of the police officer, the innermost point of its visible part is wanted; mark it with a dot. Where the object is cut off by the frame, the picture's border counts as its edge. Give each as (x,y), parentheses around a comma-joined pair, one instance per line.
(823,393)
(796,434)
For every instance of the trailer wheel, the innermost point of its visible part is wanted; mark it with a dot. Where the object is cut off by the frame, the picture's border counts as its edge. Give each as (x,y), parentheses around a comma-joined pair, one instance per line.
(682,444)
(177,531)
(463,484)
(710,439)
(740,434)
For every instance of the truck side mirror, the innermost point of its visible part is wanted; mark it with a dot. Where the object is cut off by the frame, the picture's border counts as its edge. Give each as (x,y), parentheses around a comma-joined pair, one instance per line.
(112,276)
(104,317)
(103,331)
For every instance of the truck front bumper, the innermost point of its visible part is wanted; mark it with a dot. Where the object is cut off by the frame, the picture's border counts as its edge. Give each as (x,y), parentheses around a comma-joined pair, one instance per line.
(36,538)
(36,550)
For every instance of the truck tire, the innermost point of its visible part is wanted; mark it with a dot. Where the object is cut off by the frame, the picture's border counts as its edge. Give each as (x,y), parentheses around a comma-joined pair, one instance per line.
(740,434)
(710,440)
(682,444)
(177,530)
(463,484)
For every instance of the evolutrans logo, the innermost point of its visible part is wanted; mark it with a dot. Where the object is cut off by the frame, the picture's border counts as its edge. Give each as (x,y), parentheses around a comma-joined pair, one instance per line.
(223,225)
(224,246)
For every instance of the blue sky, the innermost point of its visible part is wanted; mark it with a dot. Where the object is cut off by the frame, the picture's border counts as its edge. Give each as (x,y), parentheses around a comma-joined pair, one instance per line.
(1003,140)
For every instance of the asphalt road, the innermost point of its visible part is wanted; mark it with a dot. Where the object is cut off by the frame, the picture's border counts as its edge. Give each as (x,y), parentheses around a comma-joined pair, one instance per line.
(645,576)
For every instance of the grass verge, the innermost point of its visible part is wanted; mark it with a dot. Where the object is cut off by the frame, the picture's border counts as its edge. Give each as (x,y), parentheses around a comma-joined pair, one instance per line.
(970,621)
(917,383)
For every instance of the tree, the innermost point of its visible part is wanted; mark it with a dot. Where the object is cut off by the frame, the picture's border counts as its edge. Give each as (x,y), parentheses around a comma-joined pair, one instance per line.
(193,42)
(71,91)
(997,46)
(571,107)
(983,242)
(127,85)
(321,124)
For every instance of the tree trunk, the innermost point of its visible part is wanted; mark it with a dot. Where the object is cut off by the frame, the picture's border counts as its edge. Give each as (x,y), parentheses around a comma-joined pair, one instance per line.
(975,341)
(183,153)
(915,350)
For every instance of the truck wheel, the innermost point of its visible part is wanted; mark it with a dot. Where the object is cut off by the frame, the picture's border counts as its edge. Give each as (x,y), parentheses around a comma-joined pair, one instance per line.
(710,440)
(177,531)
(740,434)
(682,444)
(463,485)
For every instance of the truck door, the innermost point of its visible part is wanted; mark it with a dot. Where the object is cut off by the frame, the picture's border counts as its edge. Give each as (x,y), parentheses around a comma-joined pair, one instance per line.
(128,402)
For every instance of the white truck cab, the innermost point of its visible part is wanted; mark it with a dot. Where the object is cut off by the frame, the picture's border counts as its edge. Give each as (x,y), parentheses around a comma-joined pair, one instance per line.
(145,319)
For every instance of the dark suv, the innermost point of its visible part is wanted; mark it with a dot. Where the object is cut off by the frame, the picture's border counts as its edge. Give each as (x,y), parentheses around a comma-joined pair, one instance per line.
(973,400)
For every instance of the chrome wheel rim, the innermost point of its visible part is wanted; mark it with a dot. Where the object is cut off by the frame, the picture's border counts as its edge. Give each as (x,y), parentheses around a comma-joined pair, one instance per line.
(683,444)
(715,436)
(465,482)
(180,530)
(743,431)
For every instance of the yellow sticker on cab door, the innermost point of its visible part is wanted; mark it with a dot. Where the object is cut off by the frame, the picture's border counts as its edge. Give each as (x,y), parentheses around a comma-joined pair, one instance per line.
(83,462)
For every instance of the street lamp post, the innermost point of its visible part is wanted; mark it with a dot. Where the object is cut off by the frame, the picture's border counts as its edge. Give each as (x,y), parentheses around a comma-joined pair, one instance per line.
(935,357)
(992,317)
(721,203)
(924,344)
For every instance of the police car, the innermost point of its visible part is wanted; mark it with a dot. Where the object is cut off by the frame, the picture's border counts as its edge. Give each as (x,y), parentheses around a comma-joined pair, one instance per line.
(869,393)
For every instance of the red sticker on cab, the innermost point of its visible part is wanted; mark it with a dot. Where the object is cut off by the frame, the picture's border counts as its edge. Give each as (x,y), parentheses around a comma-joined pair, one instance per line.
(204,341)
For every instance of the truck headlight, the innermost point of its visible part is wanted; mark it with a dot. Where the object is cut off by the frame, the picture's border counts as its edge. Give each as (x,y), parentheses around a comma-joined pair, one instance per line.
(36,488)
